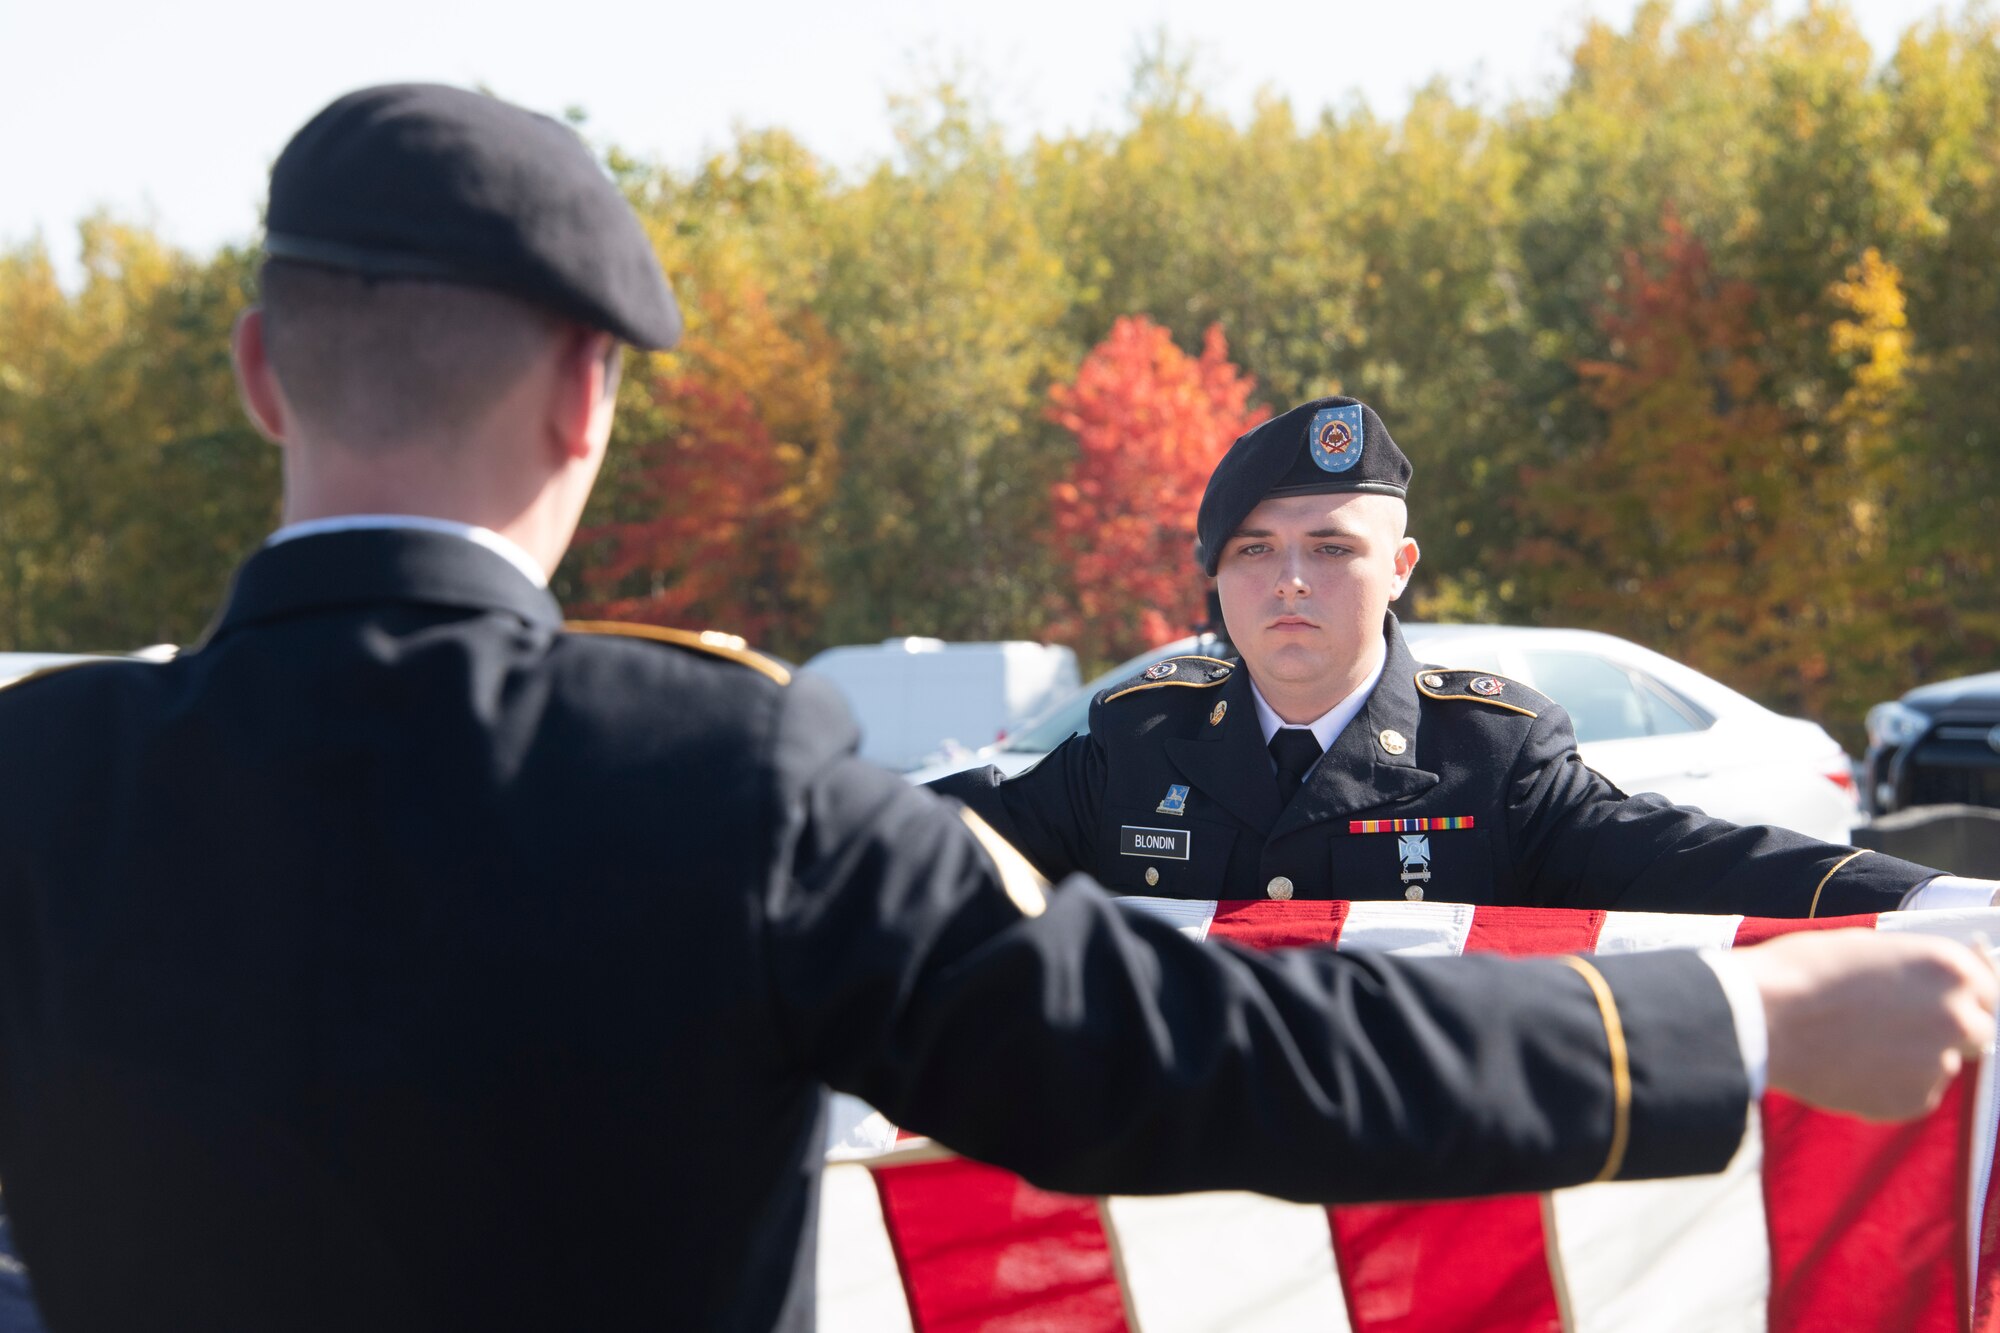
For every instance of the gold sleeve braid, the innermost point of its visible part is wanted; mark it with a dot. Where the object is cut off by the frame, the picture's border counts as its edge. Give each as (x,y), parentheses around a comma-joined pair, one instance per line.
(1621,1066)
(1838,866)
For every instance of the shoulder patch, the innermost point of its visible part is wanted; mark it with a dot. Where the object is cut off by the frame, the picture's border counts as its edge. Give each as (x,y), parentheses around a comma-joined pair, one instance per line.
(1193,670)
(1479,687)
(712,642)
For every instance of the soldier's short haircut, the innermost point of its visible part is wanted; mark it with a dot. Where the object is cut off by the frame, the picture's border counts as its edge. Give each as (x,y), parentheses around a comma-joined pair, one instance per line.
(374,363)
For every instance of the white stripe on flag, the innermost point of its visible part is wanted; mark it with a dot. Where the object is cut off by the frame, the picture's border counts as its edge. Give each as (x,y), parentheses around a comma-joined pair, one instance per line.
(860,1289)
(1411,929)
(1228,1263)
(1190,916)
(1668,1254)
(1658,1256)
(1636,932)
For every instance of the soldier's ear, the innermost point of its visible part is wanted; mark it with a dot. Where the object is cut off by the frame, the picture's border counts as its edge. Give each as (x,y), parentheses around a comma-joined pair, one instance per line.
(586,391)
(256,383)
(1406,565)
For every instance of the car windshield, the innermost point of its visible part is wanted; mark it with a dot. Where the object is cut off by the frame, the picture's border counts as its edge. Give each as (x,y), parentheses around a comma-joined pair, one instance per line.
(1055,726)
(1049,729)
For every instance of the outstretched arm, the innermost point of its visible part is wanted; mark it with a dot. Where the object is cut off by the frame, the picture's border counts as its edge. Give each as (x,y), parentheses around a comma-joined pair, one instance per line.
(1094,1051)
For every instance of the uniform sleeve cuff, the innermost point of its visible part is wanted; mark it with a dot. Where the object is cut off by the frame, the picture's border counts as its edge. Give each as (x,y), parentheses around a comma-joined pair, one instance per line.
(1746,1007)
(1950,891)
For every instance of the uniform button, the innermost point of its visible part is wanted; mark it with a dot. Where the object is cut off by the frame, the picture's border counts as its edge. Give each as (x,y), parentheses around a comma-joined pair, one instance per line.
(1415,893)
(1152,876)
(1433,682)
(1279,888)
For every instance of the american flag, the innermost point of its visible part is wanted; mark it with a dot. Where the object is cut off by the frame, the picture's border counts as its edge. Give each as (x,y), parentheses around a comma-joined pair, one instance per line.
(1821,1221)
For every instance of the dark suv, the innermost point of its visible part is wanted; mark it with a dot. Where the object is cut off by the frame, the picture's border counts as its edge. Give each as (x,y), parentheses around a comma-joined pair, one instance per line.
(1937,745)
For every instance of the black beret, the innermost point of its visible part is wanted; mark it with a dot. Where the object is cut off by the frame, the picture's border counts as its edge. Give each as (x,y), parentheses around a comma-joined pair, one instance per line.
(1329,445)
(423,181)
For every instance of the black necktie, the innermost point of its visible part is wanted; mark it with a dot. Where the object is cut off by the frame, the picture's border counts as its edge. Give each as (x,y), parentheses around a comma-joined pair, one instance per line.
(1296,750)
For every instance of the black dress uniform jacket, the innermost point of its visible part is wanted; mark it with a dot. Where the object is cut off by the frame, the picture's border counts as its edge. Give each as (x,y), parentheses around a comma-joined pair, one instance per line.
(400,959)
(1460,785)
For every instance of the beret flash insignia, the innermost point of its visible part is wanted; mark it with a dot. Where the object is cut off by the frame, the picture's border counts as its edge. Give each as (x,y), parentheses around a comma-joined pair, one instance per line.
(1335,436)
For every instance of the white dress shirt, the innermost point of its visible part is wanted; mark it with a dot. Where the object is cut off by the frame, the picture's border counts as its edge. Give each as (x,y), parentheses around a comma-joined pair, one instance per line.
(504,547)
(1328,725)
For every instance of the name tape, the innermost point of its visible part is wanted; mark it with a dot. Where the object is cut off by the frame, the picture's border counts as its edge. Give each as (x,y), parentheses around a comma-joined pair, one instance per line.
(1169,844)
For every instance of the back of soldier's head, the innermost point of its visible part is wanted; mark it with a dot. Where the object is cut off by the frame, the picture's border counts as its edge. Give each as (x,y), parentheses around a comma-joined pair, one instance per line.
(372,362)
(425,244)
(375,363)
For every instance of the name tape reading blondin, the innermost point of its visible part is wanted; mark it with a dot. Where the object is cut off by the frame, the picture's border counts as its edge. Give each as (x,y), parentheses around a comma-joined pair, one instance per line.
(1167,843)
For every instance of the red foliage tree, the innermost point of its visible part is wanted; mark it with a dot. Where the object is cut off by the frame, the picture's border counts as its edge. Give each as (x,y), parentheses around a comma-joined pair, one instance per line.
(1150,422)
(711,509)
(1692,523)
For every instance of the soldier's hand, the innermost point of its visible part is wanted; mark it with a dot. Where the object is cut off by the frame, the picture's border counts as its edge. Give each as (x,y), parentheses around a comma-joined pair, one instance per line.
(1876,1025)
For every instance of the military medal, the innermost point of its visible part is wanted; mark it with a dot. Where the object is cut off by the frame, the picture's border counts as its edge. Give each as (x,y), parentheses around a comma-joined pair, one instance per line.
(1413,845)
(1414,851)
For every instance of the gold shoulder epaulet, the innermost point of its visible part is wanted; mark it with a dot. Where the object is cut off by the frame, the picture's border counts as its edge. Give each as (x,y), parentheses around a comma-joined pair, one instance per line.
(1477,687)
(1193,670)
(713,642)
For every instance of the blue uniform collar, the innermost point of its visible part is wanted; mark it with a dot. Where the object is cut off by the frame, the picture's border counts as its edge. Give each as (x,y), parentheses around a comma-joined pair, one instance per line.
(368,567)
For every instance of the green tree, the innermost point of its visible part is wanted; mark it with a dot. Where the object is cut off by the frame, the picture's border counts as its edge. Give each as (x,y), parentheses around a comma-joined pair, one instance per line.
(945,296)
(134,482)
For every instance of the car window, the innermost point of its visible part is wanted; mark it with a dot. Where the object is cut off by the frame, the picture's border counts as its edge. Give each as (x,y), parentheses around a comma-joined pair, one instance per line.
(1053,727)
(1608,702)
(1667,713)
(1456,657)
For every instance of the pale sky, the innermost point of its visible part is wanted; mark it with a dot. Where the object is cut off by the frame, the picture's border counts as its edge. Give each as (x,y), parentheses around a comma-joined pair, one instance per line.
(169,111)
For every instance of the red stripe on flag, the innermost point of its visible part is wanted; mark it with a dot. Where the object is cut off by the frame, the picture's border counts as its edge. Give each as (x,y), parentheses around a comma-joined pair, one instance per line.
(1420,1268)
(1481,1263)
(983,1251)
(1259,924)
(1532,930)
(1844,1198)
(1757,929)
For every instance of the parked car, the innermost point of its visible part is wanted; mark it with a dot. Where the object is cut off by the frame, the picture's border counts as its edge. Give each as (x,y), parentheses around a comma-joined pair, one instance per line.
(1643,720)
(916,697)
(1022,747)
(1937,745)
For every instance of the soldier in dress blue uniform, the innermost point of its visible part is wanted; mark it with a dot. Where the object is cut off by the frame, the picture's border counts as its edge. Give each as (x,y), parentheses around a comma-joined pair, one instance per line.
(403,958)
(1330,763)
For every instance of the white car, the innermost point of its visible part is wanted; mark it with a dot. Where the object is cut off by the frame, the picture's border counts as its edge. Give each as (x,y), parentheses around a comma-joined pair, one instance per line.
(1642,720)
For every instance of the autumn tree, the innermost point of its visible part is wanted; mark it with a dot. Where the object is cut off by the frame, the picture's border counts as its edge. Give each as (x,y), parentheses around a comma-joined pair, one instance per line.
(725,458)
(1684,525)
(130,482)
(945,298)
(1149,422)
